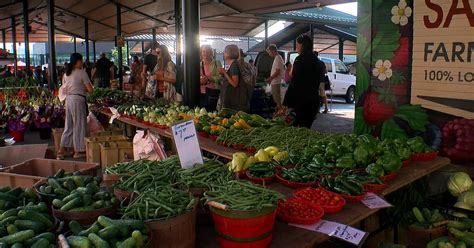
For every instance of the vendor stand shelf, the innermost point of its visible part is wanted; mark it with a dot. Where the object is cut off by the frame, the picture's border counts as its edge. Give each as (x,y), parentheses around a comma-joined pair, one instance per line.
(285,235)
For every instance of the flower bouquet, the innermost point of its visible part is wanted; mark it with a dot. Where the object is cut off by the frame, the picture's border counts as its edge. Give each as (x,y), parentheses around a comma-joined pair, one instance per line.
(17,129)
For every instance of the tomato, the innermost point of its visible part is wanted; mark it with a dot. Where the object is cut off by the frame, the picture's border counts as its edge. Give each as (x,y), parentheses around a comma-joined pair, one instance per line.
(319,196)
(297,209)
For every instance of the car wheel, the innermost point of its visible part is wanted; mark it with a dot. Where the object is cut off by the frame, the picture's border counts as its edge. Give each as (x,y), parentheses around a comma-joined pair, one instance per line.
(350,95)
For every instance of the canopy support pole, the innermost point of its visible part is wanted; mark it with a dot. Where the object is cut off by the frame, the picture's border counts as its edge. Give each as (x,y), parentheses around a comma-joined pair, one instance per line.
(74,41)
(266,34)
(153,39)
(119,48)
(143,49)
(178,31)
(4,39)
(311,32)
(93,51)
(341,49)
(15,58)
(86,36)
(25,34)
(51,44)
(128,54)
(190,13)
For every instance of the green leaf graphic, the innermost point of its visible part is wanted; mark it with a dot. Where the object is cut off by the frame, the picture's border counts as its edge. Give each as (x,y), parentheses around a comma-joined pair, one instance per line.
(391,130)
(360,127)
(363,81)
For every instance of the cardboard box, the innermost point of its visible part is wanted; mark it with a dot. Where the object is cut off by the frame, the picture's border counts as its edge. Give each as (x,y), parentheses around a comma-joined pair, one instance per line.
(115,152)
(93,146)
(48,167)
(11,155)
(108,132)
(16,180)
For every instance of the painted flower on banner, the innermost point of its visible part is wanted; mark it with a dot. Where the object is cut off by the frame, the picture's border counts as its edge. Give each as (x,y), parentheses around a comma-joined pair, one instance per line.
(400,13)
(382,70)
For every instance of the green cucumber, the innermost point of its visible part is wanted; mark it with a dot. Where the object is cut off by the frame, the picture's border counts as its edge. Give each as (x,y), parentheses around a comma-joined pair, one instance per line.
(94,228)
(15,192)
(71,204)
(5,189)
(3,231)
(70,185)
(41,243)
(8,220)
(105,221)
(47,189)
(109,232)
(17,245)
(59,191)
(97,241)
(75,227)
(52,246)
(18,237)
(11,229)
(140,241)
(47,235)
(78,180)
(87,200)
(9,213)
(58,203)
(79,242)
(128,243)
(31,194)
(3,245)
(31,215)
(82,209)
(71,197)
(40,207)
(36,226)
(99,204)
(59,173)
(134,224)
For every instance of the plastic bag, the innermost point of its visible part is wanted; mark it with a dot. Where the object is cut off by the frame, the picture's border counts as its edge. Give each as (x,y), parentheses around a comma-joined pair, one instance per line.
(147,145)
(93,125)
(150,90)
(62,92)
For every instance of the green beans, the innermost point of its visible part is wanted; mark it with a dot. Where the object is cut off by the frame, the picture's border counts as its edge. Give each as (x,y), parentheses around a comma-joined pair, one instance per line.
(159,203)
(243,195)
(212,172)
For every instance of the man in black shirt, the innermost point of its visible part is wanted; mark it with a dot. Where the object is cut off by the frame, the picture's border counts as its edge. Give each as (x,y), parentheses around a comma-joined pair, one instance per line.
(103,71)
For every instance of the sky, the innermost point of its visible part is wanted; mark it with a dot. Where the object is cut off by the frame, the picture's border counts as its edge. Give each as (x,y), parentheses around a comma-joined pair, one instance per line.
(349,8)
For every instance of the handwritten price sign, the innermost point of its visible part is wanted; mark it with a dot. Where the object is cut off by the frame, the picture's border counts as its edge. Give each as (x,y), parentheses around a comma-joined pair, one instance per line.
(187,144)
(337,230)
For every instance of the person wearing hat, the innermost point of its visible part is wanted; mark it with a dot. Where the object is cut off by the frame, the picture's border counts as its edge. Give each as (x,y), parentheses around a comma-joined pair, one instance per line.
(276,75)
(103,71)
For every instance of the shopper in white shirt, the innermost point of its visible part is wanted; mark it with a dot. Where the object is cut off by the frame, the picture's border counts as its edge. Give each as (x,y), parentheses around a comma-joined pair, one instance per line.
(276,75)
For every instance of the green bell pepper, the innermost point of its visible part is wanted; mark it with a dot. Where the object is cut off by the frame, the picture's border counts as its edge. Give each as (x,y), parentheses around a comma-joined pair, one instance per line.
(346,162)
(404,153)
(361,156)
(417,144)
(318,160)
(375,170)
(390,162)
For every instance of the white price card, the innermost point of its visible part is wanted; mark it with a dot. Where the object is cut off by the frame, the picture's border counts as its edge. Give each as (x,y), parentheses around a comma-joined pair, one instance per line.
(187,144)
(337,230)
(115,115)
(374,201)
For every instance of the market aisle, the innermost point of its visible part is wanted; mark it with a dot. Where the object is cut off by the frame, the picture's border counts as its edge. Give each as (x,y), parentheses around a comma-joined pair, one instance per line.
(339,120)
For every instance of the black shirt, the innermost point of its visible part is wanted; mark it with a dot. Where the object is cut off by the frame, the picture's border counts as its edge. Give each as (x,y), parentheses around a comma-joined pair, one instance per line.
(150,62)
(103,66)
(304,86)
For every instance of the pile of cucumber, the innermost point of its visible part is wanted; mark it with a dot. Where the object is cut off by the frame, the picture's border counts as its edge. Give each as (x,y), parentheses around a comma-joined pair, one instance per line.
(24,222)
(77,193)
(108,233)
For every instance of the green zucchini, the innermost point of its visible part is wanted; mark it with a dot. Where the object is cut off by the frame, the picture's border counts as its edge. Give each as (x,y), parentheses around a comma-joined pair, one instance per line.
(18,237)
(31,215)
(36,226)
(128,243)
(79,242)
(41,243)
(97,241)
(75,227)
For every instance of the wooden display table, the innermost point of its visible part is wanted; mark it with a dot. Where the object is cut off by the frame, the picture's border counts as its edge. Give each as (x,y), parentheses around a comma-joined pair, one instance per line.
(285,235)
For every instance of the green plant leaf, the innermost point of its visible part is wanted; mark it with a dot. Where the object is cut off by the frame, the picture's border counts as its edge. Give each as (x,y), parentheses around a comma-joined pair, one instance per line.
(360,127)
(397,77)
(385,44)
(362,81)
(391,130)
(415,115)
(363,49)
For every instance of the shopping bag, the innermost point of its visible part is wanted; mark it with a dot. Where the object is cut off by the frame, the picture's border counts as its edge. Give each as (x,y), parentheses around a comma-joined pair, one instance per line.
(150,90)
(93,125)
(147,145)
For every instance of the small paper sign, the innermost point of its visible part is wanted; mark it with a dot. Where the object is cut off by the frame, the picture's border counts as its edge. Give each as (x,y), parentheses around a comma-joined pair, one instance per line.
(115,115)
(337,230)
(187,144)
(374,201)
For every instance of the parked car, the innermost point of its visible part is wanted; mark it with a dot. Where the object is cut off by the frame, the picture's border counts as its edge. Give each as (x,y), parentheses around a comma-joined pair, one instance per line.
(342,81)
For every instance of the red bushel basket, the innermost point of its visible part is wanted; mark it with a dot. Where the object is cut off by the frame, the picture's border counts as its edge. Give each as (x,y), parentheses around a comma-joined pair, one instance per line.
(250,228)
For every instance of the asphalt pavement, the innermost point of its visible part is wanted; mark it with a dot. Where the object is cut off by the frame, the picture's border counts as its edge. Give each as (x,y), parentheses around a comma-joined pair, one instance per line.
(339,119)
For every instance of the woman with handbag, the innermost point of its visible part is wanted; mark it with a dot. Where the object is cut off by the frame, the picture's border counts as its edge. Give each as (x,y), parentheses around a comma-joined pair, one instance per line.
(210,79)
(76,83)
(165,75)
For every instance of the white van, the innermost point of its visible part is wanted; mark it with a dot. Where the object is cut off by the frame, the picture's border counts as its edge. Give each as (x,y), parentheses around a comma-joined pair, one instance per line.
(342,81)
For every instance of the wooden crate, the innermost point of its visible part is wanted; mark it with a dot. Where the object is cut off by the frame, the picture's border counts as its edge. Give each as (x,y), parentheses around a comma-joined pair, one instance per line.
(17,180)
(108,132)
(48,167)
(115,152)
(93,146)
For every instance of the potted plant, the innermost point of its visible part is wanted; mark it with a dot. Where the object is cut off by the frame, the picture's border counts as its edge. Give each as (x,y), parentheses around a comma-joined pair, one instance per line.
(17,129)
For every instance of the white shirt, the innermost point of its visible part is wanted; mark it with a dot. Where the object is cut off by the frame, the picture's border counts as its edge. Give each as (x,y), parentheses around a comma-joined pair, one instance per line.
(76,82)
(278,64)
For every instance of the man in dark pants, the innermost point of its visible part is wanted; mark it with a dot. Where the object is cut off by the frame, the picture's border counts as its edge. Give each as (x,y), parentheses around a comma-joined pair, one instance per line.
(103,71)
